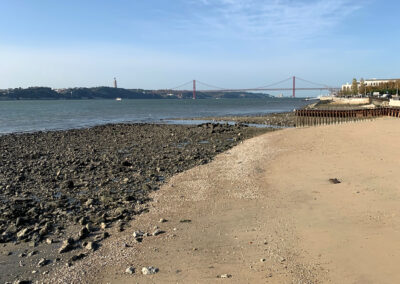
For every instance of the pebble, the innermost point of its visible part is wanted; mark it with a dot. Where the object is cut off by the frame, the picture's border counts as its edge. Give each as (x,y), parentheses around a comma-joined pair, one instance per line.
(66,246)
(138,234)
(83,233)
(138,240)
(42,262)
(22,233)
(32,253)
(130,270)
(225,276)
(91,246)
(89,226)
(22,282)
(263,260)
(334,181)
(158,232)
(77,257)
(149,270)
(162,220)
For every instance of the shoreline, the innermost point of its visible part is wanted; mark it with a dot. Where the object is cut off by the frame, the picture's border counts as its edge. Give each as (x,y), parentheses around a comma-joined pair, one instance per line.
(79,183)
(275,119)
(272,120)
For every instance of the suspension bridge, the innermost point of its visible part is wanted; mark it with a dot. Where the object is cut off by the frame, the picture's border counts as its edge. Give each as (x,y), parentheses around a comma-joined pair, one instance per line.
(271,87)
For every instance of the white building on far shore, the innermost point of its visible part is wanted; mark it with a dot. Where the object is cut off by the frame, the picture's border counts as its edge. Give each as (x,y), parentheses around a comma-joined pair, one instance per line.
(368,82)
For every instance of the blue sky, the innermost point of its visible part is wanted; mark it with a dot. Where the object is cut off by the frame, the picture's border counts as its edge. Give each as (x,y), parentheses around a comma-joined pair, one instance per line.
(163,43)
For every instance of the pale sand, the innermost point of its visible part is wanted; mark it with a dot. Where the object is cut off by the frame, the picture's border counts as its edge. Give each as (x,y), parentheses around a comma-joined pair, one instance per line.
(270,198)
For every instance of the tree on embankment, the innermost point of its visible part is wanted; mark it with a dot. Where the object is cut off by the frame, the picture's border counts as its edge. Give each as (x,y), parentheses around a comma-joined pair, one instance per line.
(354,87)
(362,89)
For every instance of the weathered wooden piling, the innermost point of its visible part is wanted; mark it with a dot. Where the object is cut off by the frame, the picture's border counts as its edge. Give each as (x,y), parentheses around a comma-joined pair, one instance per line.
(312,117)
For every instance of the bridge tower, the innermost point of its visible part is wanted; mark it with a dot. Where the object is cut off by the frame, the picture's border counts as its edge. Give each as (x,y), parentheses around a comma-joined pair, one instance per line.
(194,89)
(294,86)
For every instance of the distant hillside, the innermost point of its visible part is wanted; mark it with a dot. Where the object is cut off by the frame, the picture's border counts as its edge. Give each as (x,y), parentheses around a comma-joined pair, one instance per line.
(45,93)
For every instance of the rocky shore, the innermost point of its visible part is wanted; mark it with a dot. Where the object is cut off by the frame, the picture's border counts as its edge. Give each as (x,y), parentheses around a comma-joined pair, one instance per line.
(284,119)
(62,191)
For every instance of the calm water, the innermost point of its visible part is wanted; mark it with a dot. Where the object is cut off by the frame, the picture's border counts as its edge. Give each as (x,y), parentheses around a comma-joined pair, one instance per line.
(27,116)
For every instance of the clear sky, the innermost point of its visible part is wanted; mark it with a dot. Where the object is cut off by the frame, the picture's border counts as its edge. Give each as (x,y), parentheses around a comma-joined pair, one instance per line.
(228,43)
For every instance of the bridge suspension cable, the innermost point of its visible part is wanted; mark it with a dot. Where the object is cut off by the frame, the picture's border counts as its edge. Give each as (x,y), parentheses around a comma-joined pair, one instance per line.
(210,86)
(313,83)
(273,84)
(180,86)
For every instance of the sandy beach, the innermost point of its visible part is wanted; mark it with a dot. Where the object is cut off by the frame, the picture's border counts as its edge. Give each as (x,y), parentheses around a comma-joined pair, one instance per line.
(266,212)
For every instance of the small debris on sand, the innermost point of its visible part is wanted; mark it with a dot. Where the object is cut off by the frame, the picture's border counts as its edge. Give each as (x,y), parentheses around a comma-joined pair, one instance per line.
(130,270)
(334,181)
(224,276)
(149,270)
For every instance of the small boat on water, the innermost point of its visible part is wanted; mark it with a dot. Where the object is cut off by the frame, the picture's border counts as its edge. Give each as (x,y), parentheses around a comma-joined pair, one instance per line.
(118,99)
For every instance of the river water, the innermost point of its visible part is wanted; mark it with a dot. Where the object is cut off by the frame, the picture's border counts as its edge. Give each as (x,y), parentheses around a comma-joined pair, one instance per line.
(42,115)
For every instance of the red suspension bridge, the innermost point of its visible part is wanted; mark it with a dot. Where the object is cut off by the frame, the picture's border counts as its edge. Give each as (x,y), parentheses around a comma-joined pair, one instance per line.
(271,87)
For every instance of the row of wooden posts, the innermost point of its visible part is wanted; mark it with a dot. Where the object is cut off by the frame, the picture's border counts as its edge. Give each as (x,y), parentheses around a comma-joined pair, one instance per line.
(310,117)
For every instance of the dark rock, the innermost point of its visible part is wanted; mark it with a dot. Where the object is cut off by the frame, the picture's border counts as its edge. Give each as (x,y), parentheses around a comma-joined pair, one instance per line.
(23,233)
(70,184)
(42,262)
(45,230)
(66,246)
(77,257)
(32,253)
(126,164)
(83,233)
(158,232)
(91,246)
(334,181)
(22,282)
